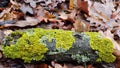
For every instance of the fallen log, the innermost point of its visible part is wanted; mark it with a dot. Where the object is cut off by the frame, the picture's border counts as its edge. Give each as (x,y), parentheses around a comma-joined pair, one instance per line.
(58,45)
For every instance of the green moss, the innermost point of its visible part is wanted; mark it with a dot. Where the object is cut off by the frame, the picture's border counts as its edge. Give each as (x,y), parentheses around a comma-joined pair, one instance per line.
(30,44)
(104,46)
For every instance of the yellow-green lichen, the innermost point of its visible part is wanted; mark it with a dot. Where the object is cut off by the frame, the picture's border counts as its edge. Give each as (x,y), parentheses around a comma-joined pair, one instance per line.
(104,46)
(29,47)
(64,39)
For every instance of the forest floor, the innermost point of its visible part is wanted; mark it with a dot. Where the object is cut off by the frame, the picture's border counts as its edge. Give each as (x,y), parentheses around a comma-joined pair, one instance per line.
(101,16)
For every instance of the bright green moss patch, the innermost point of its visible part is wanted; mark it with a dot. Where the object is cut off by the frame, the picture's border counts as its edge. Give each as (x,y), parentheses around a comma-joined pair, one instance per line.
(104,46)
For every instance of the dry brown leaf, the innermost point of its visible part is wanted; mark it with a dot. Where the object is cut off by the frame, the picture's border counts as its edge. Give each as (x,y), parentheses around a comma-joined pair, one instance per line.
(83,5)
(102,11)
(71,4)
(7,14)
(80,26)
(15,5)
(26,8)
(49,15)
(41,18)
(5,11)
(65,16)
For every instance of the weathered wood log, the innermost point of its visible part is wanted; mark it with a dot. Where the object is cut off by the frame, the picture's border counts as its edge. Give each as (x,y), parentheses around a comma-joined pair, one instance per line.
(58,45)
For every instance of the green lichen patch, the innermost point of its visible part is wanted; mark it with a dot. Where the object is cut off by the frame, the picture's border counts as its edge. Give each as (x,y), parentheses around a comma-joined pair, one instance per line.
(104,46)
(29,45)
(63,39)
(57,45)
(27,48)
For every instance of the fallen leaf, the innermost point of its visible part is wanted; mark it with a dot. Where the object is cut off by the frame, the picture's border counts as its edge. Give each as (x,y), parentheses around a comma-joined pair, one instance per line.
(26,8)
(49,15)
(80,26)
(71,4)
(83,5)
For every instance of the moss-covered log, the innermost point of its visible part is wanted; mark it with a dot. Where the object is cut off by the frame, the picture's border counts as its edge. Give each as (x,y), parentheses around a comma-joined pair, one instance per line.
(57,45)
